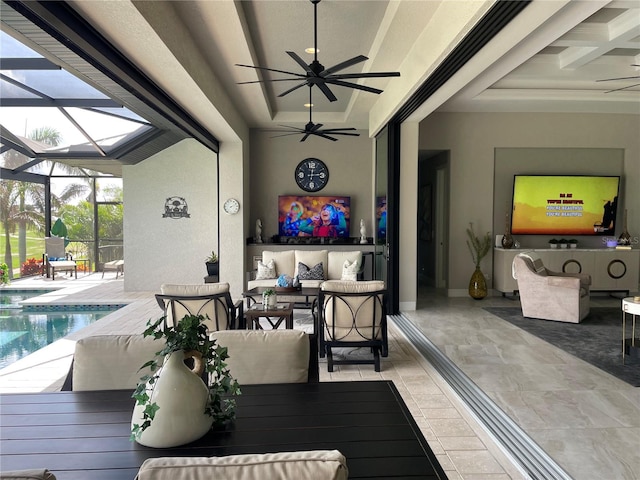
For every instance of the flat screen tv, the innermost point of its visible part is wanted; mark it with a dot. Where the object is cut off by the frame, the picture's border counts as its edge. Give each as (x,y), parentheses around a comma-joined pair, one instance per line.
(314,216)
(381,218)
(564,204)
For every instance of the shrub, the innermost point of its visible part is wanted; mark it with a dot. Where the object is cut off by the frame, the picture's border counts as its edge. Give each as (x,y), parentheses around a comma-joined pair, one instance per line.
(31,267)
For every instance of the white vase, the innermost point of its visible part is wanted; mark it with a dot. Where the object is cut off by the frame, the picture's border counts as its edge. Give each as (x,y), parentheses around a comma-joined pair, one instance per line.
(269,301)
(182,397)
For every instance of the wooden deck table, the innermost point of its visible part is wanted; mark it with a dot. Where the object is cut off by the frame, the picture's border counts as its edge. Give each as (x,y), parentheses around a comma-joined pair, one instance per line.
(282,312)
(85,435)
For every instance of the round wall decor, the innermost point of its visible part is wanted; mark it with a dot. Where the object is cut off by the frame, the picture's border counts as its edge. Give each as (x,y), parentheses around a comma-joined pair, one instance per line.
(312,175)
(231,206)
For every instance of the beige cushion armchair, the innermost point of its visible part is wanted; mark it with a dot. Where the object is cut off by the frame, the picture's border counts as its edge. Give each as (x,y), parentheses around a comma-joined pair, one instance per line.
(549,295)
(270,356)
(307,465)
(211,300)
(353,314)
(110,362)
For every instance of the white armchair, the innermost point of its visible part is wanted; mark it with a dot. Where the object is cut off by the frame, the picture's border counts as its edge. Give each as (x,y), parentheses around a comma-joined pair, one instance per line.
(549,295)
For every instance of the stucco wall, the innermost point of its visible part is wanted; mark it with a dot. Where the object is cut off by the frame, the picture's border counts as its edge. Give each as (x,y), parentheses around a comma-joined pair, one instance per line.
(472,139)
(166,250)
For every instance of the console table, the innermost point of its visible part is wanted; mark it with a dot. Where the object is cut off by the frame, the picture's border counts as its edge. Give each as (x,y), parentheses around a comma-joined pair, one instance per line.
(611,270)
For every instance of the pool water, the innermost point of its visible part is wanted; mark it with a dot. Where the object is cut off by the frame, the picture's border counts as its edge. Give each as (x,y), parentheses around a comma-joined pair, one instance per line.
(26,330)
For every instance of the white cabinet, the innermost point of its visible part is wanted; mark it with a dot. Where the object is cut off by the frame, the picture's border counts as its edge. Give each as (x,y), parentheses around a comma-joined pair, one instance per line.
(610,269)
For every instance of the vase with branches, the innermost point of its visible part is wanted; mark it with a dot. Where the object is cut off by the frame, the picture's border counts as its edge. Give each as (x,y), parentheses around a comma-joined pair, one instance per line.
(479,248)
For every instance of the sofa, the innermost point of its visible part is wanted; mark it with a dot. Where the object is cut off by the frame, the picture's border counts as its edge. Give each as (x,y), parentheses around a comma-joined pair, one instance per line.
(335,265)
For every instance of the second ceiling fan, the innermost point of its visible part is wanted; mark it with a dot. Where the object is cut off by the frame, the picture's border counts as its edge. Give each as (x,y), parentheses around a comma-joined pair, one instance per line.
(316,128)
(316,74)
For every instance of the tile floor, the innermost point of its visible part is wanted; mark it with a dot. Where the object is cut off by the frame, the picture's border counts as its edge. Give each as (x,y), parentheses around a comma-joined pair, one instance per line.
(585,419)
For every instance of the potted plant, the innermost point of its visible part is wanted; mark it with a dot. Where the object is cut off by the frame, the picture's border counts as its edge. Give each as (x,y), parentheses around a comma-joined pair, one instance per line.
(212,264)
(553,243)
(269,298)
(174,406)
(563,243)
(479,248)
(573,243)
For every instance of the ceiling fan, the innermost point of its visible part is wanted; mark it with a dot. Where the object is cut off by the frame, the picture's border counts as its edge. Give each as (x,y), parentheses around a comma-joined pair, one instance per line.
(316,74)
(316,128)
(621,78)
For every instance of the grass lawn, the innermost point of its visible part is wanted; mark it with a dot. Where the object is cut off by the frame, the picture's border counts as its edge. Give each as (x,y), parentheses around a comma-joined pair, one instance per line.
(35,249)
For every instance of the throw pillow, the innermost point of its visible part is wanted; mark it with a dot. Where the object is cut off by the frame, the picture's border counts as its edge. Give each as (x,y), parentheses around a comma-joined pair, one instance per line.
(265,272)
(314,273)
(350,271)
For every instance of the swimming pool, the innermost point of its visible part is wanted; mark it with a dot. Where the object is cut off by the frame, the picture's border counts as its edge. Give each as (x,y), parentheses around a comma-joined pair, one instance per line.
(24,330)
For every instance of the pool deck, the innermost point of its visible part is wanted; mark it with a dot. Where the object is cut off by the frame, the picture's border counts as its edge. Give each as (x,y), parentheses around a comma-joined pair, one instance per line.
(463,447)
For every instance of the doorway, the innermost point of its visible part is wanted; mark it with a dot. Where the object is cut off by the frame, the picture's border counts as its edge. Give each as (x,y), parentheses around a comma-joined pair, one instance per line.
(433,225)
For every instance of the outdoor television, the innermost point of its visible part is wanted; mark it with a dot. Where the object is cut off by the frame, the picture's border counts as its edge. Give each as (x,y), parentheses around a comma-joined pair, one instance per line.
(314,216)
(564,204)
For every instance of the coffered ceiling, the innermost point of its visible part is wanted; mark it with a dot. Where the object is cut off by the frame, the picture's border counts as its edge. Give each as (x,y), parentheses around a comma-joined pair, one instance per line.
(550,58)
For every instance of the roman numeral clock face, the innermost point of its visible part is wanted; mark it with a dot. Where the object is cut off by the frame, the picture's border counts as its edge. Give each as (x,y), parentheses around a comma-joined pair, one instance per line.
(312,175)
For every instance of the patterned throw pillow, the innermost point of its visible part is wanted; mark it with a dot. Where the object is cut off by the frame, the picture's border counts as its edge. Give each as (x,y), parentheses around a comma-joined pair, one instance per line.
(306,273)
(350,271)
(265,272)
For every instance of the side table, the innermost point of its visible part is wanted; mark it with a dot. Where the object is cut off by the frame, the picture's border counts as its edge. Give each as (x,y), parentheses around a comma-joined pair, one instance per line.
(283,312)
(630,306)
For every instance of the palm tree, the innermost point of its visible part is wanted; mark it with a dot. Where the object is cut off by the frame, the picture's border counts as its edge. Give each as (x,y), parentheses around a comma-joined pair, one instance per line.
(15,212)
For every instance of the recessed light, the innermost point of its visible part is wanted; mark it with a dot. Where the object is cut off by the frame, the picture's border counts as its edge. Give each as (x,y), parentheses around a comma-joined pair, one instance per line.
(311,50)
(308,105)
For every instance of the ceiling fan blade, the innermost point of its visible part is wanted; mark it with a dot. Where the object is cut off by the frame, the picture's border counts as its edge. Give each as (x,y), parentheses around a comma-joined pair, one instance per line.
(336,130)
(316,127)
(292,89)
(619,78)
(305,137)
(320,134)
(285,134)
(327,92)
(300,62)
(364,75)
(354,85)
(273,80)
(271,70)
(297,129)
(343,65)
(622,88)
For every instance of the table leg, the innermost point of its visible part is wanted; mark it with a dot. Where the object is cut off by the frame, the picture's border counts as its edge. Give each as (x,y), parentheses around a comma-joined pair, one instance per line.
(624,330)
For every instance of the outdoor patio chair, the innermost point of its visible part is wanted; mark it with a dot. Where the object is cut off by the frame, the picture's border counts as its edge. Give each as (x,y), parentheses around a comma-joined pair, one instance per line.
(353,314)
(56,259)
(211,300)
(549,295)
(110,362)
(270,356)
(30,474)
(113,266)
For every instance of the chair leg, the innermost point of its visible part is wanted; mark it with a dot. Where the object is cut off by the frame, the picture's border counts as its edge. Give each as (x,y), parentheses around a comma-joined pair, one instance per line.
(376,359)
(329,360)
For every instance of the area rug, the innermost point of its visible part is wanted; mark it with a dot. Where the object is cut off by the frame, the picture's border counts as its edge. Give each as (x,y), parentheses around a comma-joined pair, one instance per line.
(596,340)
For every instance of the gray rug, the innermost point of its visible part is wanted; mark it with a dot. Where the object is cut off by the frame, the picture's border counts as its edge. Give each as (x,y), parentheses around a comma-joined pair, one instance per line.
(596,340)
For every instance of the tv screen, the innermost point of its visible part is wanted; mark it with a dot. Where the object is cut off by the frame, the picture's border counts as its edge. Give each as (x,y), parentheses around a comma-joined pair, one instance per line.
(564,205)
(314,216)
(381,218)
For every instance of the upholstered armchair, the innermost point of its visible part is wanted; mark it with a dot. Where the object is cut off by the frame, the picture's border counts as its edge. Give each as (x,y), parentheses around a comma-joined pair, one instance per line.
(211,300)
(270,356)
(549,295)
(110,362)
(353,314)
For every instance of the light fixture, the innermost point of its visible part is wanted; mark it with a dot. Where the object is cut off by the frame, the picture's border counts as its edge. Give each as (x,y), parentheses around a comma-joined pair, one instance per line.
(308,105)
(311,50)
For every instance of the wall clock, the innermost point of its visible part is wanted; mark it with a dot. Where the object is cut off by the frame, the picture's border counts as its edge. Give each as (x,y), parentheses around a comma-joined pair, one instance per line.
(231,206)
(312,175)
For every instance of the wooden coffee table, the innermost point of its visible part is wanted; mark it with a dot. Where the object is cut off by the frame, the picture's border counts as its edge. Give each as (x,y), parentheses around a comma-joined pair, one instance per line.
(282,312)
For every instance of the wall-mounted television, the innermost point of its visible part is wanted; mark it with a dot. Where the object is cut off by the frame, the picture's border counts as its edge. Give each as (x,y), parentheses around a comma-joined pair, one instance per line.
(314,216)
(381,218)
(564,204)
